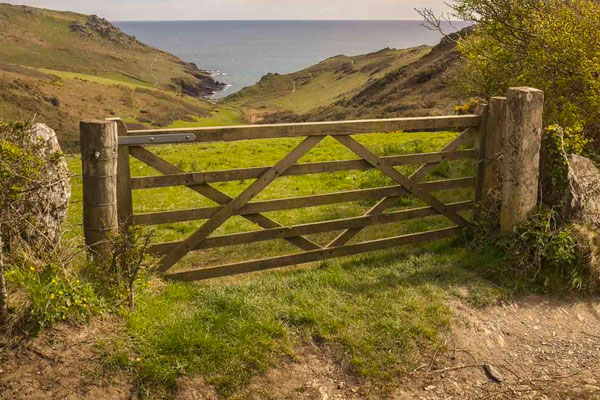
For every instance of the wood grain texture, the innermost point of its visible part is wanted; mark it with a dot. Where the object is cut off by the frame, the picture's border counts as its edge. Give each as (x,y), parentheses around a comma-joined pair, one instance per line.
(99,173)
(311,256)
(247,132)
(213,194)
(391,172)
(197,178)
(167,217)
(236,204)
(312,228)
(417,176)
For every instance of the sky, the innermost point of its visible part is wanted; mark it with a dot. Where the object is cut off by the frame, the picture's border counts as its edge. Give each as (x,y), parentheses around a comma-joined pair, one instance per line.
(146,10)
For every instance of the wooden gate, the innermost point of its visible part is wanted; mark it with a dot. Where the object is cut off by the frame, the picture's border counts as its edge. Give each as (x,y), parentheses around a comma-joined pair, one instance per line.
(136,144)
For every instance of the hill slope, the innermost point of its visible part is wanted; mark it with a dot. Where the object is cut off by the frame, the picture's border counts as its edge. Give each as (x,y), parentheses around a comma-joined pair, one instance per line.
(332,80)
(388,83)
(417,89)
(64,67)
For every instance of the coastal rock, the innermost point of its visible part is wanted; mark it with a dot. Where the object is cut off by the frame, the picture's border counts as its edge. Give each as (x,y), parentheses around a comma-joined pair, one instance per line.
(49,206)
(584,191)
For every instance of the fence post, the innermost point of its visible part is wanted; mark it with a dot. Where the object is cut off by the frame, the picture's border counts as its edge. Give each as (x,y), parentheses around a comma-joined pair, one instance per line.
(124,197)
(99,148)
(522,146)
(496,133)
(480,147)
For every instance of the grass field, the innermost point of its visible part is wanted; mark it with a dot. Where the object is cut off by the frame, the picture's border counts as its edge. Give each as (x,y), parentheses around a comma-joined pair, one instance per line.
(380,310)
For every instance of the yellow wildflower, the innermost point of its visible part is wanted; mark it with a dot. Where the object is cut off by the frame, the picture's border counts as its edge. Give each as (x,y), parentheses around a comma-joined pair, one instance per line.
(60,292)
(138,359)
(64,317)
(51,296)
(32,269)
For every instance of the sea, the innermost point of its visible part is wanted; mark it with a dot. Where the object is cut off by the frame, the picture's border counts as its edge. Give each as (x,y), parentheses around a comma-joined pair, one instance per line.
(239,53)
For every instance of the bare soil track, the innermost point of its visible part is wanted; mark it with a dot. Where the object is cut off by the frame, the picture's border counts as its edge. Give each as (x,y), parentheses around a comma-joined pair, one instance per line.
(539,348)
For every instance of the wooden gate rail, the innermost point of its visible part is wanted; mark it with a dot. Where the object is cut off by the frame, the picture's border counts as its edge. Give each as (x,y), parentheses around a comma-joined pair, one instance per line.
(312,228)
(196,178)
(310,256)
(345,128)
(133,143)
(167,217)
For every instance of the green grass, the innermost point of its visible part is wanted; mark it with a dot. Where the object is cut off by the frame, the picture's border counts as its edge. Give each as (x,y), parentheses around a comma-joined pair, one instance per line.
(219,117)
(378,311)
(323,83)
(117,80)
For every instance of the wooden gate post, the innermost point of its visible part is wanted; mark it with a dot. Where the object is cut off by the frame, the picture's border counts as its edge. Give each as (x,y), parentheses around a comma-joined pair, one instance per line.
(522,146)
(124,196)
(99,150)
(492,174)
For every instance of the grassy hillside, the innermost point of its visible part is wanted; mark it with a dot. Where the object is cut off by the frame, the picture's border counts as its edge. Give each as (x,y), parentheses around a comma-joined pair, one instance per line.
(72,42)
(63,67)
(388,83)
(332,80)
(418,89)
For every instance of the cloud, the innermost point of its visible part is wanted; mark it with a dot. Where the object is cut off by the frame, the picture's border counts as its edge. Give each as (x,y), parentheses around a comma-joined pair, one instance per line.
(242,9)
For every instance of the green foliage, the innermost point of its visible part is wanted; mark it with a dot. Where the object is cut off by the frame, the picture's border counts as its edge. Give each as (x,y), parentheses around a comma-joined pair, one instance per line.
(116,277)
(20,166)
(380,310)
(542,251)
(51,295)
(557,143)
(467,108)
(553,45)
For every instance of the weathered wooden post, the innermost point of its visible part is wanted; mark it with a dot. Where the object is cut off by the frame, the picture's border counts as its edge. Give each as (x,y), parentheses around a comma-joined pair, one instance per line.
(124,198)
(480,147)
(492,173)
(522,144)
(99,150)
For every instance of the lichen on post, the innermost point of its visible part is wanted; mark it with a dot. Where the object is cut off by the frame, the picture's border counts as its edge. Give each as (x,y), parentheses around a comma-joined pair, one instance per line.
(521,152)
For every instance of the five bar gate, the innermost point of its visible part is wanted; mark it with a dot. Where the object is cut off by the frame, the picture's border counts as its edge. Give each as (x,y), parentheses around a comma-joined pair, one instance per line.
(106,161)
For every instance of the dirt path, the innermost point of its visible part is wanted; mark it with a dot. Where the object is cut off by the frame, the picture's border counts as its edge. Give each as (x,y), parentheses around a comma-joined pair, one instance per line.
(539,348)
(62,364)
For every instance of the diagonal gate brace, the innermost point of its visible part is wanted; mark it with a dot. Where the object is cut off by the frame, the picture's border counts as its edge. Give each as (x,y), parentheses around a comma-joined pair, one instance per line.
(236,204)
(387,202)
(215,195)
(410,185)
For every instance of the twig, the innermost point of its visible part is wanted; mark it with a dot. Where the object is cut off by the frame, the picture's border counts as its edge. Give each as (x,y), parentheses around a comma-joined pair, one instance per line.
(45,356)
(455,368)
(434,357)
(589,334)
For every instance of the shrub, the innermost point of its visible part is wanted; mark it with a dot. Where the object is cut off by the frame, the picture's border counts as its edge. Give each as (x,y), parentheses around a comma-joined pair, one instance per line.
(543,251)
(116,277)
(553,45)
(22,166)
(51,294)
(557,143)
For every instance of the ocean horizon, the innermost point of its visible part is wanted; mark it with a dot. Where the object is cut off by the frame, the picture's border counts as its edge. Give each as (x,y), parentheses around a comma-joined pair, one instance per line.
(239,52)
